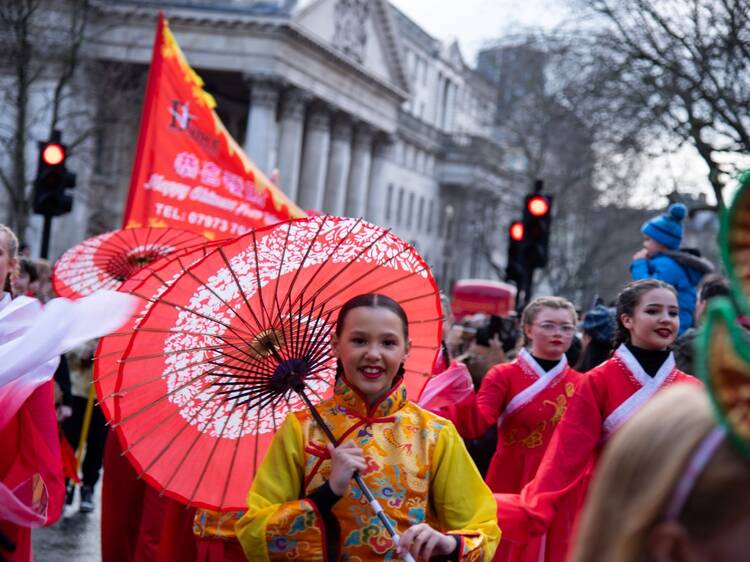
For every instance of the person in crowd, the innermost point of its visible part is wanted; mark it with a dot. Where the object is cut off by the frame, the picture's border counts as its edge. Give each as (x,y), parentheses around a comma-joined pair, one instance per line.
(26,280)
(573,355)
(44,291)
(661,258)
(598,329)
(303,503)
(31,455)
(483,354)
(667,507)
(32,338)
(445,354)
(647,318)
(712,285)
(138,523)
(524,400)
(81,363)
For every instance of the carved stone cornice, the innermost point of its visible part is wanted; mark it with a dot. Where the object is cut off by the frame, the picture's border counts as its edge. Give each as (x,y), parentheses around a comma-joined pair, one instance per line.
(341,127)
(318,118)
(383,147)
(419,133)
(257,25)
(363,135)
(293,104)
(264,93)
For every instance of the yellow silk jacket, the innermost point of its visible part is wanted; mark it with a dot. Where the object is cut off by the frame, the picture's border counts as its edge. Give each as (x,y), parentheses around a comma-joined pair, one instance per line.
(418,469)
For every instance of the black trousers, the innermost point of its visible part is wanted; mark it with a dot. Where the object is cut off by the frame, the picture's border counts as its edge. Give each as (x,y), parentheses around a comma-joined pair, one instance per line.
(92,461)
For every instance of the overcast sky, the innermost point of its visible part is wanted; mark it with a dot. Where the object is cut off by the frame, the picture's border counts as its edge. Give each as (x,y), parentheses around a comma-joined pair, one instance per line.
(475,22)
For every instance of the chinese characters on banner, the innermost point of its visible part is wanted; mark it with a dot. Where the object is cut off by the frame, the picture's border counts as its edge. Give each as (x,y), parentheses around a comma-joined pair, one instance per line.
(189,172)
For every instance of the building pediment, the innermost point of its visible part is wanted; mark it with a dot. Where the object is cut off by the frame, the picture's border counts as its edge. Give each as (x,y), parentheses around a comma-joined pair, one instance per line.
(454,55)
(362,30)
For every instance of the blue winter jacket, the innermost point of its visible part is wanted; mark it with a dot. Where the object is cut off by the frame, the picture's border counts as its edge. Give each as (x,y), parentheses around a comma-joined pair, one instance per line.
(680,269)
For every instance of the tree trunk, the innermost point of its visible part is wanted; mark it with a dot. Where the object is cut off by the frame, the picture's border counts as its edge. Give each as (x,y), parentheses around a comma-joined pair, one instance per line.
(20,219)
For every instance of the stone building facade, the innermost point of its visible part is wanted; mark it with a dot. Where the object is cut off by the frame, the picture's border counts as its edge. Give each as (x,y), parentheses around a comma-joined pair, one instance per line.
(362,112)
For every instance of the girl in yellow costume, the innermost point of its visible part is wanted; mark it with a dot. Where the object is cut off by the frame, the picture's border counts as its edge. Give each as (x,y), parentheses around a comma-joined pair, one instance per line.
(303,504)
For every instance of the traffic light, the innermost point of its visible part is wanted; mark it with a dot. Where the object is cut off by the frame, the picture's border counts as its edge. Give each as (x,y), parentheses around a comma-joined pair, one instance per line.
(52,179)
(514,270)
(537,220)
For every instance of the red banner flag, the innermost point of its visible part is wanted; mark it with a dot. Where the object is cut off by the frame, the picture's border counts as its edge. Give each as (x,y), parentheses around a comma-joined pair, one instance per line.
(188,171)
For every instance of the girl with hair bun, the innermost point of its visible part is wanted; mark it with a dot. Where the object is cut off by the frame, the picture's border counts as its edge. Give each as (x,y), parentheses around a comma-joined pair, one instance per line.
(607,396)
(303,503)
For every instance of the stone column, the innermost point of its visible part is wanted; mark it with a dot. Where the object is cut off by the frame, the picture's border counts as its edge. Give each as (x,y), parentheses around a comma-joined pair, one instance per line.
(438,100)
(339,161)
(290,141)
(359,175)
(450,109)
(376,195)
(261,123)
(315,159)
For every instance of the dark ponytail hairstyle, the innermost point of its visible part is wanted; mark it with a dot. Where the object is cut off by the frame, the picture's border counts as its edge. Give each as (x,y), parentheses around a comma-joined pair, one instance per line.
(371,300)
(628,299)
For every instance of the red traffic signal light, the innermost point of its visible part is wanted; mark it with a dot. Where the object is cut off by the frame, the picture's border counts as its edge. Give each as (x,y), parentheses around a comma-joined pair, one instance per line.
(537,221)
(538,205)
(52,179)
(516,231)
(53,154)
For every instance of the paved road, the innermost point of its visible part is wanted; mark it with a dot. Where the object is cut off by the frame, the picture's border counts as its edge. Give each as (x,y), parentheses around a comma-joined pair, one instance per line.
(75,538)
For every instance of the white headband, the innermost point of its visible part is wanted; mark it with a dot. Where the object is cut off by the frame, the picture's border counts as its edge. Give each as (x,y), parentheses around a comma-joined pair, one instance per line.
(698,461)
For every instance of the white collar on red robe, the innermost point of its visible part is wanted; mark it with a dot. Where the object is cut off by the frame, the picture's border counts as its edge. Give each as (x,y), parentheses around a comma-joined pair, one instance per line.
(544,379)
(649,386)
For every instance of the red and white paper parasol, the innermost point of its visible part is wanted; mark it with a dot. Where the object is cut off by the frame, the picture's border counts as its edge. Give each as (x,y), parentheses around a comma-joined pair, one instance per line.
(147,284)
(108,260)
(199,393)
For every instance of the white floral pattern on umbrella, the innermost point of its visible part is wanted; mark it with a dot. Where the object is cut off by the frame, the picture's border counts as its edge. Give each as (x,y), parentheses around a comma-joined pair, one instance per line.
(203,367)
(106,261)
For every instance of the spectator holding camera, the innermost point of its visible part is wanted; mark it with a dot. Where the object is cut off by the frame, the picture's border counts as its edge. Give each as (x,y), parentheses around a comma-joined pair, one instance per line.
(524,399)
(485,350)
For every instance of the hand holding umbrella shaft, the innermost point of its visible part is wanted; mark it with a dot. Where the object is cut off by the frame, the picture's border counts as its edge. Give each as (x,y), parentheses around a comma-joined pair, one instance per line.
(357,478)
(346,459)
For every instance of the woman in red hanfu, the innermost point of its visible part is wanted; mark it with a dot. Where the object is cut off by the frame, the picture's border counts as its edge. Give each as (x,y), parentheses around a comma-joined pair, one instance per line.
(525,399)
(607,396)
(138,523)
(32,486)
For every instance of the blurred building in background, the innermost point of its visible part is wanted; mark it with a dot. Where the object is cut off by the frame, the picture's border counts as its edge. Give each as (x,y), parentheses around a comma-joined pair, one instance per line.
(361,110)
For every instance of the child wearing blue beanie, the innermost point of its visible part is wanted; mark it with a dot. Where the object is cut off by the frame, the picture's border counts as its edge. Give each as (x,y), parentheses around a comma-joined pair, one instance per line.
(661,258)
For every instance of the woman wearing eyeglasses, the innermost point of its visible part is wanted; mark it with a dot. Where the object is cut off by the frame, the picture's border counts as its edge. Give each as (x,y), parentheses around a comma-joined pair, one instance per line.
(525,399)
(605,399)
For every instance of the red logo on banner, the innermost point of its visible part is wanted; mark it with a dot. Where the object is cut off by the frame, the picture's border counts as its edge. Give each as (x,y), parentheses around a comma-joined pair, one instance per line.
(188,171)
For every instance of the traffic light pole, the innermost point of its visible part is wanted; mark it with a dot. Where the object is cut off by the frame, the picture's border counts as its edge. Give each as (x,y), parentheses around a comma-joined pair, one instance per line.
(52,179)
(526,289)
(528,243)
(46,233)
